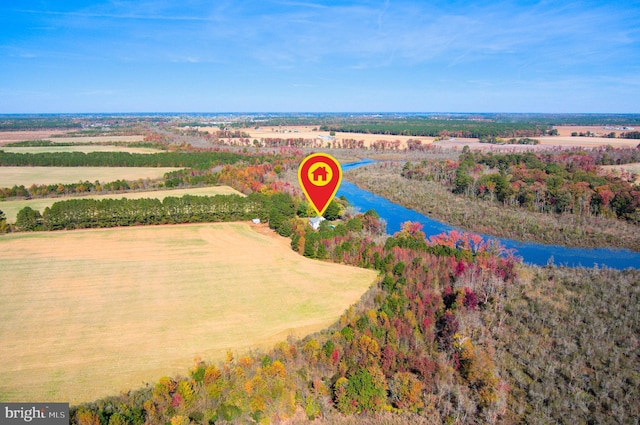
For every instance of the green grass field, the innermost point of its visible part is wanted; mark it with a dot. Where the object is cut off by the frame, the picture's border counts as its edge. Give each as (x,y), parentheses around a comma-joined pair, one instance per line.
(85,314)
(11,208)
(27,176)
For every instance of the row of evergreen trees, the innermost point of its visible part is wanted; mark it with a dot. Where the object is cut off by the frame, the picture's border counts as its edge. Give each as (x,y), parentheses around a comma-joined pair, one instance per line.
(278,209)
(94,213)
(198,160)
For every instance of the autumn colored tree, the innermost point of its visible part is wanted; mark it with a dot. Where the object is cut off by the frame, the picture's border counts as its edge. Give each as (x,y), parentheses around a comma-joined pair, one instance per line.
(406,391)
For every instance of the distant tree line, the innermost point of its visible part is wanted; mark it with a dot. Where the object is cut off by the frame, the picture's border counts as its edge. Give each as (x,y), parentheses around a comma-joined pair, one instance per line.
(38,123)
(610,135)
(513,141)
(441,128)
(40,143)
(533,118)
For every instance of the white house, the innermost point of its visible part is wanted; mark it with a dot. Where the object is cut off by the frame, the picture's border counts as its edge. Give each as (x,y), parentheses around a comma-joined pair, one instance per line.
(315,222)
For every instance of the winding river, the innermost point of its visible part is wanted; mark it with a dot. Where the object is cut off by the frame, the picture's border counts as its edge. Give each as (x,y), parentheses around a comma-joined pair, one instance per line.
(532,253)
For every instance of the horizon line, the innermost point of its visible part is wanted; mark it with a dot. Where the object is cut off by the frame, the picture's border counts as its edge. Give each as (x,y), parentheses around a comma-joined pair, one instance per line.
(315,113)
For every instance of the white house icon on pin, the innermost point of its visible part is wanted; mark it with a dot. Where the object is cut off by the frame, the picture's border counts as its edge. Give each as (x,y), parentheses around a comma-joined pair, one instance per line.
(320,174)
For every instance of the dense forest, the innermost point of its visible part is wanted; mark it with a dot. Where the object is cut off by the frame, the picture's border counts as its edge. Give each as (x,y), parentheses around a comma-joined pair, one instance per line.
(559,182)
(566,341)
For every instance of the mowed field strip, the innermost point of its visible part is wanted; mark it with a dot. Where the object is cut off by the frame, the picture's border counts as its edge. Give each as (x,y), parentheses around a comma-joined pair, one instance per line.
(86,314)
(78,148)
(96,139)
(11,208)
(20,136)
(27,176)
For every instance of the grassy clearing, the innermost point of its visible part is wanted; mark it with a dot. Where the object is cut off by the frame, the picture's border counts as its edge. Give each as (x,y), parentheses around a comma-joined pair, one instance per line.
(27,176)
(79,148)
(85,314)
(11,208)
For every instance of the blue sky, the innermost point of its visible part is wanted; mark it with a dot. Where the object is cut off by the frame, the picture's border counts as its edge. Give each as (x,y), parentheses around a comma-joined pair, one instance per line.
(319,56)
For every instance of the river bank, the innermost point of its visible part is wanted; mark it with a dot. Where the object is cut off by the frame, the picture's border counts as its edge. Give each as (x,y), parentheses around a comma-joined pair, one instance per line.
(485,217)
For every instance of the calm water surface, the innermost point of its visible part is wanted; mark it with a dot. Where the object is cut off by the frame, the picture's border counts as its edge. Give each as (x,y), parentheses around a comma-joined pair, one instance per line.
(532,253)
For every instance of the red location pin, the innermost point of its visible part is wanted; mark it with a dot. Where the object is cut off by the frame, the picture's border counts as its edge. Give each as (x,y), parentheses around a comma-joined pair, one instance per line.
(320,176)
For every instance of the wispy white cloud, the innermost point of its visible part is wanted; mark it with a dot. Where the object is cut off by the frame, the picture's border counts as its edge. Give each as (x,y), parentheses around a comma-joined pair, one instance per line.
(127,16)
(359,35)
(301,4)
(511,46)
